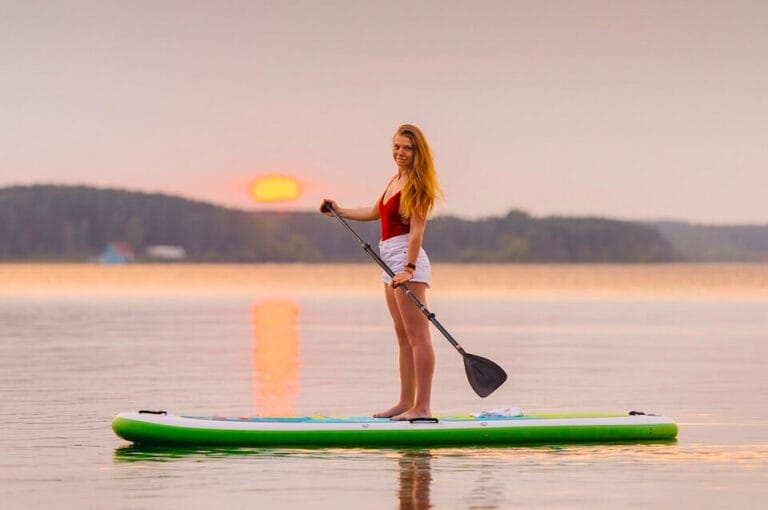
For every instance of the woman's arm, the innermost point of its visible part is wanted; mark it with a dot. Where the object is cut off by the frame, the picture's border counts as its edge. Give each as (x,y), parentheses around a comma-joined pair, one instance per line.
(418,225)
(357,214)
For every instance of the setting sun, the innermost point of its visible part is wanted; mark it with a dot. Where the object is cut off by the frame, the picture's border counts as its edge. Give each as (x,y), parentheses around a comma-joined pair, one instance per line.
(275,188)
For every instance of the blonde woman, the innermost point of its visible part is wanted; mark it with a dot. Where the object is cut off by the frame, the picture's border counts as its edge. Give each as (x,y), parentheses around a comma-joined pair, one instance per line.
(403,209)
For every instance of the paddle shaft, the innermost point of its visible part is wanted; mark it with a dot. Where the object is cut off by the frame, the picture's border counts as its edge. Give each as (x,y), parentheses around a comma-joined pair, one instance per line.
(367,247)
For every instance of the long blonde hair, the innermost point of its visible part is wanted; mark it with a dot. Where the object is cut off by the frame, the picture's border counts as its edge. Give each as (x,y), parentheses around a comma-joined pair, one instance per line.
(421,189)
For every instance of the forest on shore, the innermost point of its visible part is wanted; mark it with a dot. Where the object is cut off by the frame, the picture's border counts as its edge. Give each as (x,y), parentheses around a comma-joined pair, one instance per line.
(74,223)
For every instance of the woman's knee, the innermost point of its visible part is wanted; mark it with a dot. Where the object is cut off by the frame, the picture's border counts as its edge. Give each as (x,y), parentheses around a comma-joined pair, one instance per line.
(402,338)
(418,335)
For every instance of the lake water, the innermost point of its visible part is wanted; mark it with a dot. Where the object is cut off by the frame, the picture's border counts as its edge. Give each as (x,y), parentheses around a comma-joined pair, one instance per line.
(79,344)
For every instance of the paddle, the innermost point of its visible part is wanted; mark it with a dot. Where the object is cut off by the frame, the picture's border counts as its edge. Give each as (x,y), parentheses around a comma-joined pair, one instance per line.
(484,375)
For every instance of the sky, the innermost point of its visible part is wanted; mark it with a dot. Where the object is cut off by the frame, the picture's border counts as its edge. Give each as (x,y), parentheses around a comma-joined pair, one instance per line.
(640,110)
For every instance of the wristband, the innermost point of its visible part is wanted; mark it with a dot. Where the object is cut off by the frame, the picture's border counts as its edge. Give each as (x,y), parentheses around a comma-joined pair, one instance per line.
(411,265)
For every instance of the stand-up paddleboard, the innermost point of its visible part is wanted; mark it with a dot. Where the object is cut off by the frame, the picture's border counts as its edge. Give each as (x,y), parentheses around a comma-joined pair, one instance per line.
(162,428)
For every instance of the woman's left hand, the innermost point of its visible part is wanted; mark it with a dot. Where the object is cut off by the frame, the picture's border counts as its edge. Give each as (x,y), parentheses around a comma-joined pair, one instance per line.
(401,278)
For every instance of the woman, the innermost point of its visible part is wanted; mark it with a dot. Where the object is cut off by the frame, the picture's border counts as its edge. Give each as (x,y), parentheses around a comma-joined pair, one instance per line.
(403,209)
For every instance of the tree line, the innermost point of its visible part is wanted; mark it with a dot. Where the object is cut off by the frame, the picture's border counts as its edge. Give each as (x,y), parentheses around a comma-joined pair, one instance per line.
(68,223)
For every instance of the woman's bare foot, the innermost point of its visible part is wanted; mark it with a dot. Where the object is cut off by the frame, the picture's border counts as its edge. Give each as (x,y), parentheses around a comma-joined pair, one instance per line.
(412,414)
(393,411)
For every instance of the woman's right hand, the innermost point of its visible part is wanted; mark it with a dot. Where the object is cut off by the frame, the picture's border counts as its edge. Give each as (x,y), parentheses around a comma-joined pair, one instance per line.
(330,203)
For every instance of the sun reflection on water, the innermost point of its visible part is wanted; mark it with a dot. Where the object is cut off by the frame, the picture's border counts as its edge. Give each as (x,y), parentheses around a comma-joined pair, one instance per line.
(275,357)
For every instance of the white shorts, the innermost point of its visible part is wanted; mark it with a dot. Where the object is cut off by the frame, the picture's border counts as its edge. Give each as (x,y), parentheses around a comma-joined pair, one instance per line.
(394,251)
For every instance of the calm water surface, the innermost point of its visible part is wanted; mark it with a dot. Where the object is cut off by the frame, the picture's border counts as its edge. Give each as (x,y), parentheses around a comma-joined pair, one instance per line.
(68,364)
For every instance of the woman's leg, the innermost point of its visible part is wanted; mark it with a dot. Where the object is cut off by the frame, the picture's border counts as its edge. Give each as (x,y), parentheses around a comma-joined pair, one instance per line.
(417,334)
(407,370)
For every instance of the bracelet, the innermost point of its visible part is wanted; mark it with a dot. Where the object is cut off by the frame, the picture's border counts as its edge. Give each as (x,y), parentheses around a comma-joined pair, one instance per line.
(411,265)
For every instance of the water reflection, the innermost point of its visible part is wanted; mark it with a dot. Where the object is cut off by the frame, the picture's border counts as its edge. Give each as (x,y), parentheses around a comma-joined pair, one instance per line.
(415,466)
(415,479)
(275,357)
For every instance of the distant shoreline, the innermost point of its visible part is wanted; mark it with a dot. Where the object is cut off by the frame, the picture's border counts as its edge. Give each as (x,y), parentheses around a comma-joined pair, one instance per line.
(515,281)
(80,223)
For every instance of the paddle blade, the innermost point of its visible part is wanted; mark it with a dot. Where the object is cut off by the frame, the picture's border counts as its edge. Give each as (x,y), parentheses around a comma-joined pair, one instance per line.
(484,375)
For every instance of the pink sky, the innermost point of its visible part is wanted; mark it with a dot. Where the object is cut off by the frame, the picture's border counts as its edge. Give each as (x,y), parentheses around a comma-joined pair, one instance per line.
(636,109)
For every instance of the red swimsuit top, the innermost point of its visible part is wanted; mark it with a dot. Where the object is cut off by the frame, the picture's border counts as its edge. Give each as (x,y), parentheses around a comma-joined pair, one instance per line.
(391,222)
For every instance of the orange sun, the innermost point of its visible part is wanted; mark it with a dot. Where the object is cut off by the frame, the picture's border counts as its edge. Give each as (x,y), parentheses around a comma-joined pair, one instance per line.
(275,188)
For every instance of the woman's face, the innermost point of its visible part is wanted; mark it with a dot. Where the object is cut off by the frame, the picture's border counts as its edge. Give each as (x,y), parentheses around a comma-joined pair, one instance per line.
(403,151)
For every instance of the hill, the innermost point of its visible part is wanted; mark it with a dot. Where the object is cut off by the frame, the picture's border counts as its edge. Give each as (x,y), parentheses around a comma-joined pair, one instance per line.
(716,243)
(60,223)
